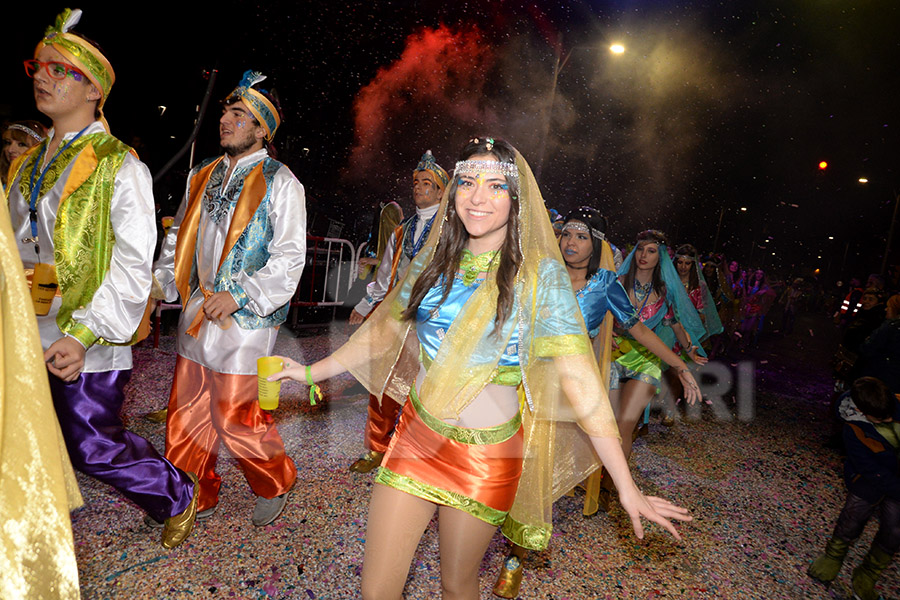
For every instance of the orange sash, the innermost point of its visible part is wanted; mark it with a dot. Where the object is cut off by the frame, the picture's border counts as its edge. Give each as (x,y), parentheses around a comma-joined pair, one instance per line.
(252,194)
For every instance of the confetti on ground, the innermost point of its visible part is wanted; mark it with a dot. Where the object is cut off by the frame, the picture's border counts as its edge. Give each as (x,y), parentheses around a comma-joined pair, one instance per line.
(764,496)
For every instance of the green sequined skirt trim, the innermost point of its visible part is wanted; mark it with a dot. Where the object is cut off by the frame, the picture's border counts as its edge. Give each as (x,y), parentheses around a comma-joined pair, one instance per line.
(439,496)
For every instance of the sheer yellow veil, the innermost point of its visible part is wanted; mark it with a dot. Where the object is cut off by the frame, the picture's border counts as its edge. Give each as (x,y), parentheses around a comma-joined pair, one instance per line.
(37,483)
(564,396)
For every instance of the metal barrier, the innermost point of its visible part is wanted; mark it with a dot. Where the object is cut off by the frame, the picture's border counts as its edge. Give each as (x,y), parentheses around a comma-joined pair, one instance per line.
(320,285)
(330,271)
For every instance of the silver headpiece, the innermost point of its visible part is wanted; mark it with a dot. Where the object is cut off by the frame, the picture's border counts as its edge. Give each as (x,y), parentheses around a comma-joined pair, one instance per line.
(579,226)
(473,167)
(26,130)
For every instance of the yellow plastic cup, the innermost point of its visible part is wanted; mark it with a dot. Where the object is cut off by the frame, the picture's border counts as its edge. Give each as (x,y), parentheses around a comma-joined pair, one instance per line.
(268,390)
(43,288)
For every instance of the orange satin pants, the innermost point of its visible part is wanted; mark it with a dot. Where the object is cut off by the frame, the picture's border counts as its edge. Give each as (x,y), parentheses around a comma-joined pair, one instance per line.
(208,408)
(381,422)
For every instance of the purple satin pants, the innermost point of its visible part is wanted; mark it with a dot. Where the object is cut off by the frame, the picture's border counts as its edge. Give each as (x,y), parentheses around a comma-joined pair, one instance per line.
(100,446)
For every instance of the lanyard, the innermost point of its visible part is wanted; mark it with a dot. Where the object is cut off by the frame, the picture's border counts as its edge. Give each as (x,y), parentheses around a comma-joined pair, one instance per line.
(36,189)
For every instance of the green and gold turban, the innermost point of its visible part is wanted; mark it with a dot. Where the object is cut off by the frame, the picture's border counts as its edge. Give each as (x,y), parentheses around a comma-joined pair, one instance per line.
(81,53)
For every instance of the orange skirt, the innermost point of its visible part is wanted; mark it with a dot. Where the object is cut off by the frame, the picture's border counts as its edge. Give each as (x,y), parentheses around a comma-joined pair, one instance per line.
(474,470)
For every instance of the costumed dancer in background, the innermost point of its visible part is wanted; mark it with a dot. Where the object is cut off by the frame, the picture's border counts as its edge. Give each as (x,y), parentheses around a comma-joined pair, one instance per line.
(737,277)
(655,290)
(82,211)
(758,299)
(390,217)
(18,137)
(37,483)
(687,263)
(589,260)
(488,297)
(791,298)
(719,283)
(234,256)
(429,182)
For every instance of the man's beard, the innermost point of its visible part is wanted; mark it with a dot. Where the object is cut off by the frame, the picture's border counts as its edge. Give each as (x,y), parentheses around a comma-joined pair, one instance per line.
(238,147)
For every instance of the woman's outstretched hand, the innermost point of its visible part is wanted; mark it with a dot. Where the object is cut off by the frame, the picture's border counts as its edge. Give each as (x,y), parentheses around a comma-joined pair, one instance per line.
(652,508)
(291,369)
(691,390)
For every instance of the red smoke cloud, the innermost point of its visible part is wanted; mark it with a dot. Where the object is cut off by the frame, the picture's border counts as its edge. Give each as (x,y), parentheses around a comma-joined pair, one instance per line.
(421,99)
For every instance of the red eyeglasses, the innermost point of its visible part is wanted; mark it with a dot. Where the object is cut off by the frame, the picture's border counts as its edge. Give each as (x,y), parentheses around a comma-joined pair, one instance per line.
(56,70)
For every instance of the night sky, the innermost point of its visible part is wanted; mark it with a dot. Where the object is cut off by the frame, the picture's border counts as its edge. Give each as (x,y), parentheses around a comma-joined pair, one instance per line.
(713,106)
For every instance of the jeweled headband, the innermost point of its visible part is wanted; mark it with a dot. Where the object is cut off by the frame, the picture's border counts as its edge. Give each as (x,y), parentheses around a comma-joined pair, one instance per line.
(79,52)
(260,106)
(26,130)
(474,167)
(579,226)
(685,256)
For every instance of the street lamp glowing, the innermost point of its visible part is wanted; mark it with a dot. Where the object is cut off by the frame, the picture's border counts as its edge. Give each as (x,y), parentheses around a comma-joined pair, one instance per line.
(743,209)
(863,180)
(617,49)
(823,165)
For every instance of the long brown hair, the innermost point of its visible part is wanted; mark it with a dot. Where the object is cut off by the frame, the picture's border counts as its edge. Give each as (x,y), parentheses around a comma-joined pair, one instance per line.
(454,237)
(657,237)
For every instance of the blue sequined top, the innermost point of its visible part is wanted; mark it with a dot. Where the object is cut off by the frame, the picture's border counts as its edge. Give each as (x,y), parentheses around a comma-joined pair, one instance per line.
(601,293)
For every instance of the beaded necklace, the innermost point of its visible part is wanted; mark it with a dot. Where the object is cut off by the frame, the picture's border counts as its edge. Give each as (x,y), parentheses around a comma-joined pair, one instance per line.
(642,291)
(472,265)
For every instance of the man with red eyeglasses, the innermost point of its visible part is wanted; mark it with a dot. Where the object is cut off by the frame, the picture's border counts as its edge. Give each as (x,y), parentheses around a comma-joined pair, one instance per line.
(81,205)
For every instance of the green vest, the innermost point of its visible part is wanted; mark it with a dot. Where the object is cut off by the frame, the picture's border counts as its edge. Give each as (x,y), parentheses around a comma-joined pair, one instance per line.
(83,237)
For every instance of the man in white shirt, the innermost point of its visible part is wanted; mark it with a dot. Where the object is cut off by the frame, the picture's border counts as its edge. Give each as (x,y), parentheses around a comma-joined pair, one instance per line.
(81,205)
(429,181)
(234,255)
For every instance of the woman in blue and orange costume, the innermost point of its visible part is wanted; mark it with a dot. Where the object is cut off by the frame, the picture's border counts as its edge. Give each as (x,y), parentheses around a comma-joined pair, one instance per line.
(602,300)
(484,337)
(656,292)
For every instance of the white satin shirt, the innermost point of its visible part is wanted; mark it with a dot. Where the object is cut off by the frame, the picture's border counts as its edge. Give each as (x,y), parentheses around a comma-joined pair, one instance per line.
(117,307)
(235,350)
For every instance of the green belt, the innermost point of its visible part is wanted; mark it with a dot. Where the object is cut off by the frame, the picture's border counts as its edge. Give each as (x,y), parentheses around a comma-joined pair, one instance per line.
(464,435)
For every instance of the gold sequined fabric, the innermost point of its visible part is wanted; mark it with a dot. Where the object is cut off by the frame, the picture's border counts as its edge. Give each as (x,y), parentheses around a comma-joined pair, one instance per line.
(565,395)
(37,483)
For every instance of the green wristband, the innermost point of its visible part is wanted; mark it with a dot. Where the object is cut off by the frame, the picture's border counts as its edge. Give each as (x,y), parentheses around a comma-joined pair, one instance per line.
(315,392)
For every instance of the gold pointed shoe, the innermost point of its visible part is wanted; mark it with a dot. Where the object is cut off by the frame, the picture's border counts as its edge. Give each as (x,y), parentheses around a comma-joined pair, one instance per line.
(157,416)
(369,461)
(177,528)
(510,578)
